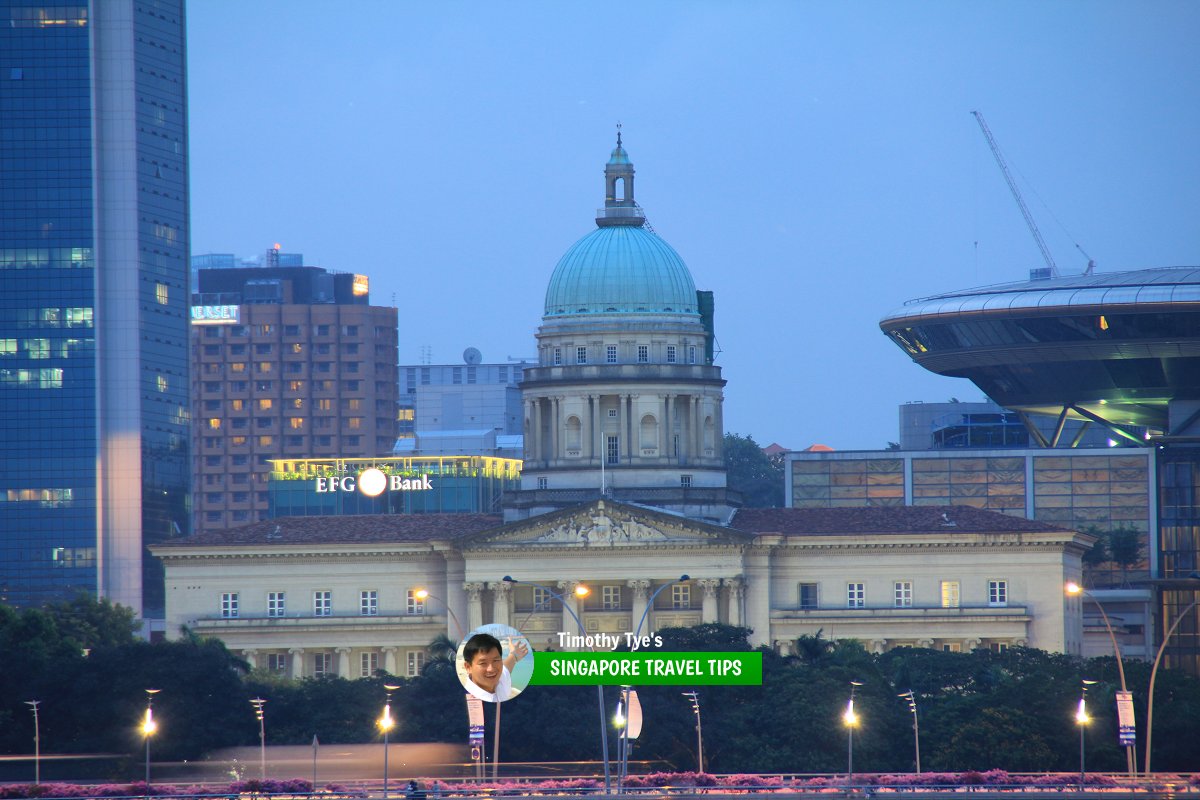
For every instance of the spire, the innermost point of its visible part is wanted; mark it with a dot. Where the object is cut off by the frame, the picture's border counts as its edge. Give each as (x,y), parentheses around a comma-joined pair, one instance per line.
(619,205)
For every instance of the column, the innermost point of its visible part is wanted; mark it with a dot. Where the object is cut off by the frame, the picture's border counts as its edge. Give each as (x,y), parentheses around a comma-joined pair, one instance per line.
(708,612)
(567,590)
(758,602)
(719,428)
(925,643)
(639,587)
(555,424)
(735,587)
(669,424)
(343,654)
(297,654)
(474,605)
(783,647)
(537,431)
(501,592)
(389,660)
(589,447)
(251,657)
(663,433)
(456,597)
(878,646)
(622,413)
(528,428)
(634,434)
(697,429)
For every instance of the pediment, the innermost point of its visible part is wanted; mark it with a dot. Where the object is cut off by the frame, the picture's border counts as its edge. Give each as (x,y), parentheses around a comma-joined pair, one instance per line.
(605,524)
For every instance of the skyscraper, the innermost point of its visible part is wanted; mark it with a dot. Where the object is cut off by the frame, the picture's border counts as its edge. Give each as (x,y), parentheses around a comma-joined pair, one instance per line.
(93,297)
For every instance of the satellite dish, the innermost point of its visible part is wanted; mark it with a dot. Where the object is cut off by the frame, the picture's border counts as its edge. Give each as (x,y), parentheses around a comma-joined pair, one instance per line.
(472,356)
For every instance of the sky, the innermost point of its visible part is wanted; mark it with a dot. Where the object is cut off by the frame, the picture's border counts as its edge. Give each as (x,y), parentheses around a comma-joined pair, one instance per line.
(814,163)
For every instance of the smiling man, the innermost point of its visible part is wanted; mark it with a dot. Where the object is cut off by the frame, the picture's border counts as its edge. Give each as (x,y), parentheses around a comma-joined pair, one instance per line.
(489,671)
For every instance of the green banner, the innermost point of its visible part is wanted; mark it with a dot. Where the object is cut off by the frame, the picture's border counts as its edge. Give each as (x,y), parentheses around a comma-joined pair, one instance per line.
(647,669)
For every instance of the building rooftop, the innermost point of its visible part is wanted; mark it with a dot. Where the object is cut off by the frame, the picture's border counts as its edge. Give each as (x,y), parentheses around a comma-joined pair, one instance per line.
(883,520)
(366,529)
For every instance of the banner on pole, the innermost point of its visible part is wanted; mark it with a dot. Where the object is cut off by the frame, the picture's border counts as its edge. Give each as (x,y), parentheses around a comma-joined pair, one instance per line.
(634,714)
(475,722)
(1126,727)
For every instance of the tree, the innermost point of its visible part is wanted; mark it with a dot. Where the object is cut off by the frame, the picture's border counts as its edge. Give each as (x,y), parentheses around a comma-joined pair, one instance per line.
(1125,549)
(753,473)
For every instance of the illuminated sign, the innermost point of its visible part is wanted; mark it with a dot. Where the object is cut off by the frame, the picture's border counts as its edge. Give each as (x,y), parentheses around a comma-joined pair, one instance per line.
(216,315)
(362,285)
(372,483)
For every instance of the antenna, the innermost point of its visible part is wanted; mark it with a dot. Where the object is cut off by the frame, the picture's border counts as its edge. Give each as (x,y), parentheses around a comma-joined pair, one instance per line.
(426,354)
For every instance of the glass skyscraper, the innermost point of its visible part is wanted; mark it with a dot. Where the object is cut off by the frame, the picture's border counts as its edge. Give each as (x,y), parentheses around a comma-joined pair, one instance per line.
(94,390)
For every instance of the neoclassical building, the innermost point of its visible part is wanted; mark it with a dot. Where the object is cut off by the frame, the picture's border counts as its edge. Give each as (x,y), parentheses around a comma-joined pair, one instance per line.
(623,491)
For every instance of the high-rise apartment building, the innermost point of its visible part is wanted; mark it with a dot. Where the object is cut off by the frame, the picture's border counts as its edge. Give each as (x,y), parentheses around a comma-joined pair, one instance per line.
(287,362)
(94,416)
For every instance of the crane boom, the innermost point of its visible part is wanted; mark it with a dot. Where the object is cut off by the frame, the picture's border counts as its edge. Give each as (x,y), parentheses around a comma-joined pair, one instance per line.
(1016,193)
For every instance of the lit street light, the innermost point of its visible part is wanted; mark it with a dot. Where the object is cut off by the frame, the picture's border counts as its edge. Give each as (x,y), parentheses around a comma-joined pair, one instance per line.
(258,704)
(850,720)
(424,594)
(695,698)
(37,742)
(149,726)
(386,723)
(1195,576)
(912,706)
(580,592)
(1076,589)
(1082,719)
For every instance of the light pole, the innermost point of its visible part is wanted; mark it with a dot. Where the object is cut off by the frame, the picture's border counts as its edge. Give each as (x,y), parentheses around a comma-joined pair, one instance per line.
(850,720)
(1195,576)
(424,594)
(386,723)
(695,698)
(37,742)
(1082,719)
(258,704)
(1076,589)
(621,722)
(599,687)
(912,706)
(149,726)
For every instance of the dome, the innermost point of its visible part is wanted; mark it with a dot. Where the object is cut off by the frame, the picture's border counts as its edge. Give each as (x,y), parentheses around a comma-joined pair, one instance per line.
(623,269)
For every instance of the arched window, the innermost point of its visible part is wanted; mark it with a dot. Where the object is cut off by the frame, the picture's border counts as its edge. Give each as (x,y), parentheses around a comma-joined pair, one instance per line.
(649,430)
(574,433)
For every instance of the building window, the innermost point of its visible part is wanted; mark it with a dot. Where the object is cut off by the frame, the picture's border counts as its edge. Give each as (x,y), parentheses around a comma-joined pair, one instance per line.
(277,662)
(558,356)
(610,354)
(950,594)
(856,595)
(265,404)
(643,353)
(691,354)
(685,481)
(322,664)
(614,450)
(229,605)
(541,599)
(903,594)
(415,605)
(543,483)
(670,354)
(610,598)
(161,294)
(322,603)
(999,647)
(681,596)
(368,664)
(368,603)
(416,663)
(997,593)
(808,595)
(580,355)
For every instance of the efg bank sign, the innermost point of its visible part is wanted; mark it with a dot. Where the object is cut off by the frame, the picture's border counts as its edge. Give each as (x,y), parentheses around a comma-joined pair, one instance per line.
(372,483)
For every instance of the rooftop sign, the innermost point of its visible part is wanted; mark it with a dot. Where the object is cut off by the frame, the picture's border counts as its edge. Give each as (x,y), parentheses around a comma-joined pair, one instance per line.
(372,482)
(216,315)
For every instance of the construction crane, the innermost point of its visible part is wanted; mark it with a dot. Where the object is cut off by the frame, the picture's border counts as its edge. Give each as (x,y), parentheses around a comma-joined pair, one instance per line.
(1016,193)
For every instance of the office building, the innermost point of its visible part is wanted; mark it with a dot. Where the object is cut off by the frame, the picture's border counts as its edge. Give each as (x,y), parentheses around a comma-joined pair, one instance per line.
(94,395)
(287,362)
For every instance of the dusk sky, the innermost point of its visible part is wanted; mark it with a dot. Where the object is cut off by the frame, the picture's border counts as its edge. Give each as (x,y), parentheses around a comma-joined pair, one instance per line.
(814,163)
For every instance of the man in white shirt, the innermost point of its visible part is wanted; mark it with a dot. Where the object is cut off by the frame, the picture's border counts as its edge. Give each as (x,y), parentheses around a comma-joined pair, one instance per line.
(489,672)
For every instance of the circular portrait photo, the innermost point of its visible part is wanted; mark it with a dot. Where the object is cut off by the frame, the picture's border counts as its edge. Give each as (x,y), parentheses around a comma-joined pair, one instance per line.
(495,663)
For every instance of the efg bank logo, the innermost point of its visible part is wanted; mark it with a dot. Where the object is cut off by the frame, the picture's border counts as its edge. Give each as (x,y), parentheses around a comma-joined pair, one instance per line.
(373,482)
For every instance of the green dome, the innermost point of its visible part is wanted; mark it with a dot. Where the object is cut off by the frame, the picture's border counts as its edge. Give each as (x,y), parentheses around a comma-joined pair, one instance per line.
(623,269)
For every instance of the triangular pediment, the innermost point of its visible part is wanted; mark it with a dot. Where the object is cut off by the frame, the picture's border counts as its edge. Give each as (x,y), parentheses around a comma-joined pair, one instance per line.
(604,524)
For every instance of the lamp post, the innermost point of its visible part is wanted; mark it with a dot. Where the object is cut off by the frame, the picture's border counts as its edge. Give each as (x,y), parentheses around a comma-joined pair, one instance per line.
(1195,576)
(912,706)
(850,720)
(599,688)
(621,722)
(424,594)
(1082,719)
(149,726)
(1076,589)
(258,704)
(37,742)
(386,723)
(694,696)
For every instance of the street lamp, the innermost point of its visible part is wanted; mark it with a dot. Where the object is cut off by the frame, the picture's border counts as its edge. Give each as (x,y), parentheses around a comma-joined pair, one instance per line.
(149,726)
(1195,576)
(424,594)
(1075,589)
(850,720)
(37,742)
(1082,719)
(912,706)
(258,704)
(695,698)
(386,723)
(581,591)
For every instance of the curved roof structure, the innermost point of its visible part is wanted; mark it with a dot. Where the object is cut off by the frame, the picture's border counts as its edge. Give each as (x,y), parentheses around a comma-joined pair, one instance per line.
(1111,347)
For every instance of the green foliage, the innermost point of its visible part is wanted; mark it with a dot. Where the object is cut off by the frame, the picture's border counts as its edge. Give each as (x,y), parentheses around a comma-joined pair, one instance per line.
(753,473)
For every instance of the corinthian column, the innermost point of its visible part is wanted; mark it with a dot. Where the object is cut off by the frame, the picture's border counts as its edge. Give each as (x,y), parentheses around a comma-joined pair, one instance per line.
(501,592)
(639,587)
(735,587)
(474,605)
(708,611)
(570,601)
